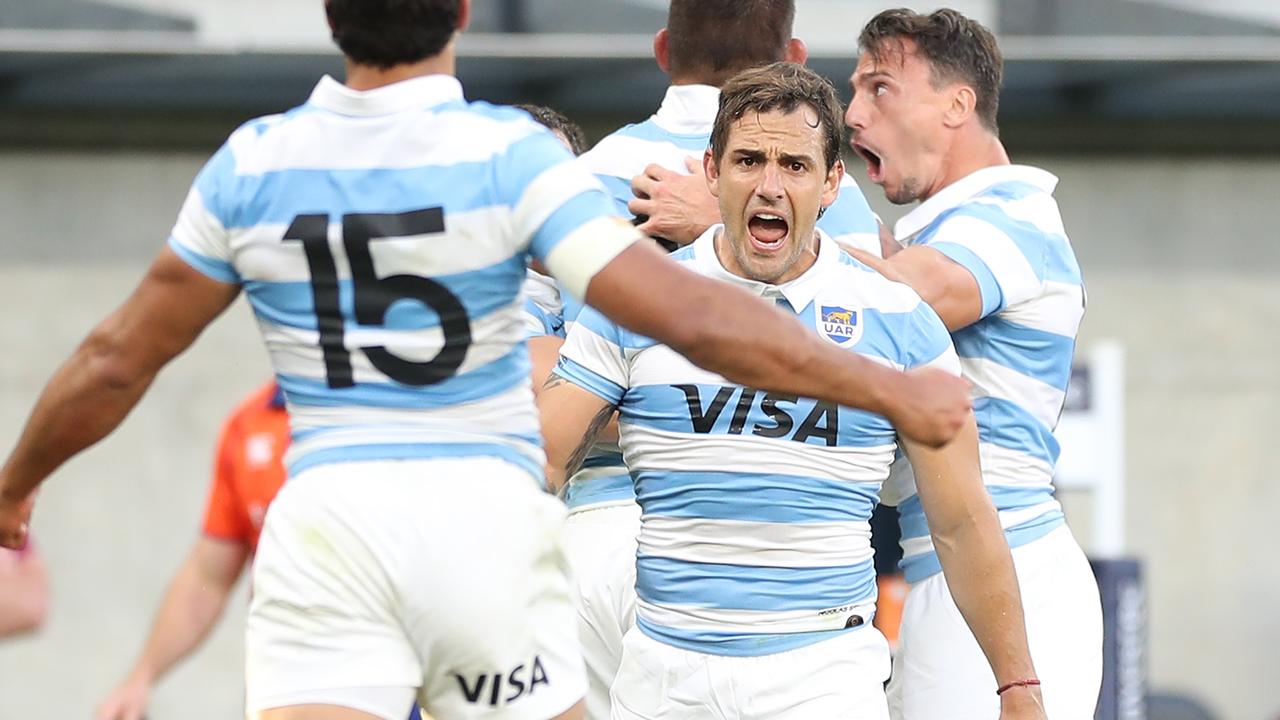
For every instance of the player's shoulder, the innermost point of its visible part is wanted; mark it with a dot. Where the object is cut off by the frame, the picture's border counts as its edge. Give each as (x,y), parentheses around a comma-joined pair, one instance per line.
(872,289)
(627,150)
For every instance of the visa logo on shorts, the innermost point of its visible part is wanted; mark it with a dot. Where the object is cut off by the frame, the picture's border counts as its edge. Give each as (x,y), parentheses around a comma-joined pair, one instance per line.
(503,688)
(840,324)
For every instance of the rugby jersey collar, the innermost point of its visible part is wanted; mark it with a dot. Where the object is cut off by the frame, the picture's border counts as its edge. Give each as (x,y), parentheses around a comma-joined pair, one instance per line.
(415,93)
(964,189)
(688,109)
(798,292)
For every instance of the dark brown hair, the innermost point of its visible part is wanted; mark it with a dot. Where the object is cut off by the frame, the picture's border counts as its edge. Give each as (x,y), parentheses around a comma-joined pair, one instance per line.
(956,48)
(783,87)
(713,40)
(386,33)
(556,121)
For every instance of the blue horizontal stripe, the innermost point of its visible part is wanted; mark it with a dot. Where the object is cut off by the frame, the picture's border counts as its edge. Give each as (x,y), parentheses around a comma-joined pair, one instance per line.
(416,451)
(620,190)
(591,319)
(219,270)
(911,519)
(924,565)
(988,288)
(552,324)
(1049,254)
(737,644)
(481,292)
(649,130)
(664,581)
(598,459)
(910,338)
(1038,354)
(609,488)
(774,498)
(850,213)
(497,377)
(1007,425)
(589,380)
(720,410)
(573,214)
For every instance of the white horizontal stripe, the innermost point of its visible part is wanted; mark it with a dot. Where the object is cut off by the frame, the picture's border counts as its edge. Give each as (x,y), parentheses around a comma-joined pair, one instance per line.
(947,361)
(199,230)
(472,240)
(324,140)
(297,352)
(1002,466)
(1040,210)
(1010,267)
(625,157)
(990,379)
(511,413)
(649,449)
(576,259)
(739,542)
(1008,519)
(867,242)
(660,365)
(547,192)
(1057,310)
(748,622)
(342,437)
(593,352)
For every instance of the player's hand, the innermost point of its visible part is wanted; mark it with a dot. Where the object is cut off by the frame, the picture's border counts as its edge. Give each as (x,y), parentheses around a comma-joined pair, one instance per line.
(1022,703)
(929,406)
(15,517)
(126,702)
(679,207)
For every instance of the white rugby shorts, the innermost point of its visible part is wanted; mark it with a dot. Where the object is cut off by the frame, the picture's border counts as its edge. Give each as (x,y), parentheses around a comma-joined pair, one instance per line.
(600,543)
(842,677)
(444,580)
(939,671)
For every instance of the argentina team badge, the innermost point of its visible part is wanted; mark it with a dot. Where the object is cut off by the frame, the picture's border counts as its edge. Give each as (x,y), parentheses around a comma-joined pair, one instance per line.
(841,324)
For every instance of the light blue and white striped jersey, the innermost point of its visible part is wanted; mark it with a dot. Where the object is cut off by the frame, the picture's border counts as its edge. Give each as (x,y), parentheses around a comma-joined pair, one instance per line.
(543,309)
(682,129)
(381,238)
(1002,224)
(755,535)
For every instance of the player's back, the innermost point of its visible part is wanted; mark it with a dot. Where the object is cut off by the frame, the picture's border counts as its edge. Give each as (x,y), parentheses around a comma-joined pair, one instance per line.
(381,238)
(682,129)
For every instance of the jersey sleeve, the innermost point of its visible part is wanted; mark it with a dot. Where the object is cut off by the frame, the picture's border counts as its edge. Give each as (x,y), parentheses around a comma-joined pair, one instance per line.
(537,321)
(200,235)
(1008,270)
(928,343)
(592,357)
(223,515)
(561,210)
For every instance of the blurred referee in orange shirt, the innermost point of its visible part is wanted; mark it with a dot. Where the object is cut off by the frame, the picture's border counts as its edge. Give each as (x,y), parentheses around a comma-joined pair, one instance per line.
(248,472)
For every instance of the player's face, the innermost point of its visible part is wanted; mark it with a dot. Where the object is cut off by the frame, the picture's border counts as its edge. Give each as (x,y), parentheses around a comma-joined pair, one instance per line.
(897,125)
(771,182)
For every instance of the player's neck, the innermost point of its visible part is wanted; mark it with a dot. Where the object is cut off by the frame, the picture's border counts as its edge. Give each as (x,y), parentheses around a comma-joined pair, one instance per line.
(368,77)
(969,153)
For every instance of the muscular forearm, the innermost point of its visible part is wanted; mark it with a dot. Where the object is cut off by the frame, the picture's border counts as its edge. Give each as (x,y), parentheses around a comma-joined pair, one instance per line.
(83,402)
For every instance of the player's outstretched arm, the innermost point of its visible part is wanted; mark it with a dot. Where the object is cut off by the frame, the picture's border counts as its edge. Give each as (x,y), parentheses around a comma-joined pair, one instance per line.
(572,419)
(976,561)
(726,330)
(190,609)
(105,377)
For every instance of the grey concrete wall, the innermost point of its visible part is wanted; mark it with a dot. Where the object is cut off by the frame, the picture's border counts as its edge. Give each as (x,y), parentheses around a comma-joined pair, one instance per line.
(1181,265)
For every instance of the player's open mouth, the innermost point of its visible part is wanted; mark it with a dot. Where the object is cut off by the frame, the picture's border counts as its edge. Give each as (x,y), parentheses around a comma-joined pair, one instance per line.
(875,165)
(768,231)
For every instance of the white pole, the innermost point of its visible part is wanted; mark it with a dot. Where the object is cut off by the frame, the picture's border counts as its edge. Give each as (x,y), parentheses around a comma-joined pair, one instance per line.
(1106,367)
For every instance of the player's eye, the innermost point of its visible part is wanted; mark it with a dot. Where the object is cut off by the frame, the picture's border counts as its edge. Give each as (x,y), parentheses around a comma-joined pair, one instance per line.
(797,166)
(746,161)
(880,89)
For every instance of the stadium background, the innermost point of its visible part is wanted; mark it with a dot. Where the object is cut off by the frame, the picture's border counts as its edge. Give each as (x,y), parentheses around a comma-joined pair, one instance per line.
(1159,117)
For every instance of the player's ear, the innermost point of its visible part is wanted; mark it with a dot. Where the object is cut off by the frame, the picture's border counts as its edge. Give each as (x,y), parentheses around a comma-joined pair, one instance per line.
(660,42)
(712,171)
(961,107)
(797,52)
(831,185)
(464,14)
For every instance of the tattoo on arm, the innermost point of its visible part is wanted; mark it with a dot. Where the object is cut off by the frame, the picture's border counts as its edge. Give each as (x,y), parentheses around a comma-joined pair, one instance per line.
(579,454)
(553,381)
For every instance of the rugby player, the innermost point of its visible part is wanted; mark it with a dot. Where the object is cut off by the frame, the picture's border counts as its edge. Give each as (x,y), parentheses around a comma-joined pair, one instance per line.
(381,232)
(755,581)
(987,249)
